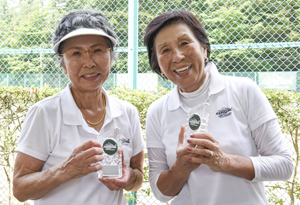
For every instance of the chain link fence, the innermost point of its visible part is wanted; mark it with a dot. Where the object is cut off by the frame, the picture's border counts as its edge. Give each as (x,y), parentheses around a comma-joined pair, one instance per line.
(259,39)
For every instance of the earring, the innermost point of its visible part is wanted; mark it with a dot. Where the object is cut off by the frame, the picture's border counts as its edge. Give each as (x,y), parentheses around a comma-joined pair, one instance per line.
(205,59)
(163,75)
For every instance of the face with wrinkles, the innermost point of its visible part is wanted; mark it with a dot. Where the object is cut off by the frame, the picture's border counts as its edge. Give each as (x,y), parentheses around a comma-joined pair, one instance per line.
(87,61)
(181,57)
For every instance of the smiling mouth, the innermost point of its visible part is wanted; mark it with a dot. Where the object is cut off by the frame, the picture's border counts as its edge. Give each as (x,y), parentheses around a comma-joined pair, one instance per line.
(182,70)
(91,75)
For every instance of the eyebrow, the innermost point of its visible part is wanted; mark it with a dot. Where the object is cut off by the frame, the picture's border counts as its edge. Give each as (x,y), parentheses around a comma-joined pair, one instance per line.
(182,36)
(80,48)
(98,44)
(166,43)
(162,45)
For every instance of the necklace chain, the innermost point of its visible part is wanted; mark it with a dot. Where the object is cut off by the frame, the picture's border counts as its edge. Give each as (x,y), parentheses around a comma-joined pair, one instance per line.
(96,123)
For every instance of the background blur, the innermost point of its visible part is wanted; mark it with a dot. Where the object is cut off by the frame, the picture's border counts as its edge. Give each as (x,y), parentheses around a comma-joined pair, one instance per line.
(259,39)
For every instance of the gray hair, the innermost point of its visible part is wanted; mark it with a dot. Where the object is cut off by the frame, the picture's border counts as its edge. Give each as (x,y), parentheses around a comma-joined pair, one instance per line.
(82,19)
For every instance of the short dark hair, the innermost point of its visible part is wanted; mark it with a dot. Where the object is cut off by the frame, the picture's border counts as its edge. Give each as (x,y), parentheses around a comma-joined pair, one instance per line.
(167,19)
(82,19)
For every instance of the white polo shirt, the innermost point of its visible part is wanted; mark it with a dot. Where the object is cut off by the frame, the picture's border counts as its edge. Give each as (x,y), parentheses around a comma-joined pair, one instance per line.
(54,127)
(238,115)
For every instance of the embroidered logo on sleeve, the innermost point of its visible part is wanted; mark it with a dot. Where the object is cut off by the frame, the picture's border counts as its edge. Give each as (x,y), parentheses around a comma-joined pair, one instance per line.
(125,141)
(224,112)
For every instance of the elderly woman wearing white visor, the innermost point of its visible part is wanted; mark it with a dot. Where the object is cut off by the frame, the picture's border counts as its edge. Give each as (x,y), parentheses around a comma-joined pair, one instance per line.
(58,150)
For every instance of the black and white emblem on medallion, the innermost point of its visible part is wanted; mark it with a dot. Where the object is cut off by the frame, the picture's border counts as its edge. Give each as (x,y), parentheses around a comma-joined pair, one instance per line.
(195,121)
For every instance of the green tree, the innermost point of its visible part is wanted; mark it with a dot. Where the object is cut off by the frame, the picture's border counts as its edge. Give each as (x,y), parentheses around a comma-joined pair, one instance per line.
(30,25)
(287,107)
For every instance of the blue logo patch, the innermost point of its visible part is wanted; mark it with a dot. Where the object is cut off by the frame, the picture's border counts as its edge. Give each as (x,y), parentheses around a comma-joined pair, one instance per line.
(224,112)
(125,141)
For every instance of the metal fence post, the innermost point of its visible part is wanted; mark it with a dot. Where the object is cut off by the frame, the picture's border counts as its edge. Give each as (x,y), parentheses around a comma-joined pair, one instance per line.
(132,200)
(132,57)
(132,43)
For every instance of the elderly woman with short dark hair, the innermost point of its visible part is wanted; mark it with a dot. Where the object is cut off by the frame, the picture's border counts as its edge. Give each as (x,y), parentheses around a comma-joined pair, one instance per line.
(214,139)
(59,149)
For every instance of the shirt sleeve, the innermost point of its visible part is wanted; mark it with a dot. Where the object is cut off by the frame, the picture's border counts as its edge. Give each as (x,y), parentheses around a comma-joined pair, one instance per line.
(35,134)
(257,107)
(275,161)
(153,127)
(158,164)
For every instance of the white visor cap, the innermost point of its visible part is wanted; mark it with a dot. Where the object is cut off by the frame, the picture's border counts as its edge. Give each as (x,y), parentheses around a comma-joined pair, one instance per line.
(84,31)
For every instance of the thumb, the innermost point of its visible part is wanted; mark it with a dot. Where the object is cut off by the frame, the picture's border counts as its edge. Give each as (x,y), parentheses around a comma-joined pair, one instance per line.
(181,135)
(124,165)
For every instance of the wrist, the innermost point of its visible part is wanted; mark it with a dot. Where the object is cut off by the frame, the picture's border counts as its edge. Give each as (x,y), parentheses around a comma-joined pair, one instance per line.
(60,173)
(180,171)
(135,180)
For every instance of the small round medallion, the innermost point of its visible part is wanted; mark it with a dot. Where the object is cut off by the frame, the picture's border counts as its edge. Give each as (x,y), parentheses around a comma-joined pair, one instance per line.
(110,146)
(195,121)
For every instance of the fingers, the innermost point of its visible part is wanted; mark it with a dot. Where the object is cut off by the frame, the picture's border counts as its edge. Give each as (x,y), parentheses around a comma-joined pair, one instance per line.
(94,167)
(181,135)
(205,147)
(203,135)
(201,144)
(89,152)
(110,184)
(203,140)
(211,155)
(87,145)
(202,152)
(117,183)
(84,159)
(91,155)
(124,165)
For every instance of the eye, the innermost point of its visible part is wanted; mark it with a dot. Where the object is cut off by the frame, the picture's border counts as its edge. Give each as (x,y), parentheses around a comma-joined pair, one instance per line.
(98,50)
(76,53)
(184,43)
(165,50)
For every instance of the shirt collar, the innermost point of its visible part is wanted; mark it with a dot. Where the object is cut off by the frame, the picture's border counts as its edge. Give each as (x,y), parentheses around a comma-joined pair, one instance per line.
(112,108)
(174,99)
(215,86)
(216,83)
(70,111)
(72,114)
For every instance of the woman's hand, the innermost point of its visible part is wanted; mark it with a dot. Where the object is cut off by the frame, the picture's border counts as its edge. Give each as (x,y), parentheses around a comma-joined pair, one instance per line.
(84,160)
(32,183)
(115,183)
(130,179)
(183,155)
(206,150)
(171,182)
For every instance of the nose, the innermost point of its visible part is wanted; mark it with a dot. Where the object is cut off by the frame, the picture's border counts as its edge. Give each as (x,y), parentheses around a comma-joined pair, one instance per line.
(88,60)
(178,55)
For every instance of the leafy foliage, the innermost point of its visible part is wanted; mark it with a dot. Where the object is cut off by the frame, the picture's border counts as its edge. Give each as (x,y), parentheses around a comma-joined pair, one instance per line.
(286,105)
(141,99)
(14,104)
(30,25)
